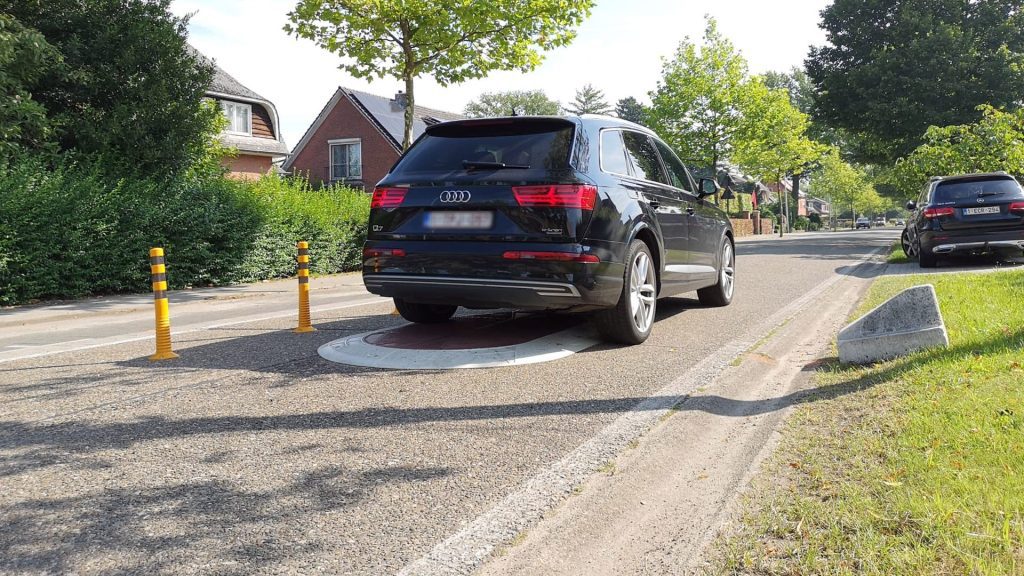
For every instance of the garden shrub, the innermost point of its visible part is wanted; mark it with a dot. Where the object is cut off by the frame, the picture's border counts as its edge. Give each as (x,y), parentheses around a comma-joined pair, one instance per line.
(69,230)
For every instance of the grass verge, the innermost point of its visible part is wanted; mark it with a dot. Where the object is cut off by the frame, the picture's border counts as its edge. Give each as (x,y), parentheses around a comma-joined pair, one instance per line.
(914,466)
(897,256)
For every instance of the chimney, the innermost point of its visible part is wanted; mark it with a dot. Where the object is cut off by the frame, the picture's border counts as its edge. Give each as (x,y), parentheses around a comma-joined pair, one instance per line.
(400,102)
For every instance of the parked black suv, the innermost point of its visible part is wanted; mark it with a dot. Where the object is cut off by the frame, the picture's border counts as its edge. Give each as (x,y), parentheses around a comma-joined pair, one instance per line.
(546,213)
(967,214)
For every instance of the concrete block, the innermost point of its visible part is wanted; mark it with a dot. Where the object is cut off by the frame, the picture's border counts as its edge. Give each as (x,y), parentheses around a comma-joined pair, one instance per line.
(907,322)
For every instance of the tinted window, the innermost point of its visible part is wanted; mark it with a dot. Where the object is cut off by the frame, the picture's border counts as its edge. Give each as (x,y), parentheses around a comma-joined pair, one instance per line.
(643,157)
(971,190)
(541,146)
(613,153)
(676,171)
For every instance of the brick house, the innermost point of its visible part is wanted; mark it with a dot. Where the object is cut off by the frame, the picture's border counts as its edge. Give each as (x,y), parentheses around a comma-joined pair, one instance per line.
(357,138)
(253,127)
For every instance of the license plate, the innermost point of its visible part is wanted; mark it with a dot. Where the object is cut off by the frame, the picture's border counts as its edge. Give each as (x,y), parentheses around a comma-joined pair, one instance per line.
(461,220)
(981,210)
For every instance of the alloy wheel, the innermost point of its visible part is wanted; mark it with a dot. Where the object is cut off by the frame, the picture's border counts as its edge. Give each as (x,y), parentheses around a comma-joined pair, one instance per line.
(642,292)
(728,270)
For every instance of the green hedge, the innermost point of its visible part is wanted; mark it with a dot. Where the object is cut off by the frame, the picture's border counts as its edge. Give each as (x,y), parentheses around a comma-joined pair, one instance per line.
(70,231)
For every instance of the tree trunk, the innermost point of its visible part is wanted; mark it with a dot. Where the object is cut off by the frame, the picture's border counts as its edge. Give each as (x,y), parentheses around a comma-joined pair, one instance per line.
(796,196)
(408,74)
(409,109)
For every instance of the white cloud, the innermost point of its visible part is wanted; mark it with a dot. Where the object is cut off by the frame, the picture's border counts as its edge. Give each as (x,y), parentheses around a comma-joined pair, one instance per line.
(618,50)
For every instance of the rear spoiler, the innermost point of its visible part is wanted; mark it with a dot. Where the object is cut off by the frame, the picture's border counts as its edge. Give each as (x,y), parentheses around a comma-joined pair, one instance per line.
(501,125)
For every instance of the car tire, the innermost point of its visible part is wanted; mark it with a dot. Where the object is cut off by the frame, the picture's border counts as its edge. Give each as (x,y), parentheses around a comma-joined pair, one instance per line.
(424,313)
(631,320)
(908,247)
(721,293)
(926,258)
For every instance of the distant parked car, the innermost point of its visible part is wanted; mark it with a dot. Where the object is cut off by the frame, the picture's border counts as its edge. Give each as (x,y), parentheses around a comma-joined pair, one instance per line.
(880,222)
(581,214)
(901,222)
(863,223)
(967,214)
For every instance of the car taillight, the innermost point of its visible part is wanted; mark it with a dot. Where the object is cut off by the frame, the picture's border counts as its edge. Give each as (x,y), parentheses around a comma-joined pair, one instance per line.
(378,252)
(387,197)
(552,256)
(1017,208)
(557,195)
(937,212)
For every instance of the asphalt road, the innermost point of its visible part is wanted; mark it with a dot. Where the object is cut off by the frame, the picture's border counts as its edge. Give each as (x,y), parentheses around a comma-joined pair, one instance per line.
(251,454)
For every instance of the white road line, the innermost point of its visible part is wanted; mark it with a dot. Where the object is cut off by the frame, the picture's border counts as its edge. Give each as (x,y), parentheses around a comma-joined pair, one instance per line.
(116,341)
(464,551)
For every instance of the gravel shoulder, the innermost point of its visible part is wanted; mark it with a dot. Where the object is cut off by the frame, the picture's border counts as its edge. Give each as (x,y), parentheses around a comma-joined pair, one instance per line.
(657,506)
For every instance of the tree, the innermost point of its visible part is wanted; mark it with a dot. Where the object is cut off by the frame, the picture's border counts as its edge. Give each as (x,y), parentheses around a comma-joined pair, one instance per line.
(697,105)
(996,142)
(892,69)
(771,141)
(131,89)
(843,185)
(797,84)
(513,103)
(588,100)
(451,41)
(631,109)
(25,59)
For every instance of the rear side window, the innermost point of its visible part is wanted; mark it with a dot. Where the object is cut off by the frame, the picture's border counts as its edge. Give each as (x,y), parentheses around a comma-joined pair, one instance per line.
(970,190)
(540,146)
(676,171)
(643,157)
(613,153)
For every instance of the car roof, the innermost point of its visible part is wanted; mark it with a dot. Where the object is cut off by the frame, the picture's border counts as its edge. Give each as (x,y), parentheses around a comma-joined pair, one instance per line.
(587,120)
(977,176)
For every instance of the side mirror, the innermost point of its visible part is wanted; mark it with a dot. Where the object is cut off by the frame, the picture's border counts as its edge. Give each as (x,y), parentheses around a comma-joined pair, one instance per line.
(911,205)
(708,187)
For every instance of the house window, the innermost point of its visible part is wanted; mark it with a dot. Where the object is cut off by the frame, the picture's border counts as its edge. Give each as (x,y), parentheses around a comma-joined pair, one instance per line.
(239,117)
(346,159)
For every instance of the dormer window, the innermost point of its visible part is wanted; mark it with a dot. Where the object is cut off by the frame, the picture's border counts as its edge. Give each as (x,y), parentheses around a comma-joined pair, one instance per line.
(239,117)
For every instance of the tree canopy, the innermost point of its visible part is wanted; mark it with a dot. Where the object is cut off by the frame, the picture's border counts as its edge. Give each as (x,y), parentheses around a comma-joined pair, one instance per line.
(629,108)
(127,85)
(588,100)
(844,185)
(994,143)
(697,105)
(450,41)
(892,69)
(772,141)
(513,103)
(797,84)
(25,58)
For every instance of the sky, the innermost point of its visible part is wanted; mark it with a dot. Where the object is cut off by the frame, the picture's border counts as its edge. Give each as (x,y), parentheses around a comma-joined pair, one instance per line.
(619,50)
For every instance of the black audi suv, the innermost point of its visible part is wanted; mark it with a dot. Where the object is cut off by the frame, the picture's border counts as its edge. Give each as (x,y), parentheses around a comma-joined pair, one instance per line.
(587,214)
(967,214)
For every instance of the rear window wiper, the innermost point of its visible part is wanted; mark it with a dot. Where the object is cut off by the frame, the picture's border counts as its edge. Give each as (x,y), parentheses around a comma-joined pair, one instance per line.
(984,194)
(471,165)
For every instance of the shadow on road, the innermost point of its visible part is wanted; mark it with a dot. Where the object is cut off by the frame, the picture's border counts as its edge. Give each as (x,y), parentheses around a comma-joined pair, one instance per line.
(82,438)
(202,526)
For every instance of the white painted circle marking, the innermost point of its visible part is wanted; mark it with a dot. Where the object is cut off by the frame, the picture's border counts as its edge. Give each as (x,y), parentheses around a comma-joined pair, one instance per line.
(356,351)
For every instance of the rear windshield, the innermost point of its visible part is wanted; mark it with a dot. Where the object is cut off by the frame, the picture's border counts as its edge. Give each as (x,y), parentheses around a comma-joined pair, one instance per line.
(536,145)
(971,190)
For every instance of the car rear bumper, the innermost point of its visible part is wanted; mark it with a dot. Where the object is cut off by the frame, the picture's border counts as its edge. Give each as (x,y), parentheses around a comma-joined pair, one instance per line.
(1006,242)
(476,275)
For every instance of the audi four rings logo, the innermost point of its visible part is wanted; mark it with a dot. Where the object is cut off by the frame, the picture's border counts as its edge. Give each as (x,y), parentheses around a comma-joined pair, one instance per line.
(456,196)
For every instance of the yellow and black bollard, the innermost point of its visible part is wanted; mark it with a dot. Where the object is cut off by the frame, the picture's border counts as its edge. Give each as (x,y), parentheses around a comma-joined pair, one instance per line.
(158,271)
(304,322)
